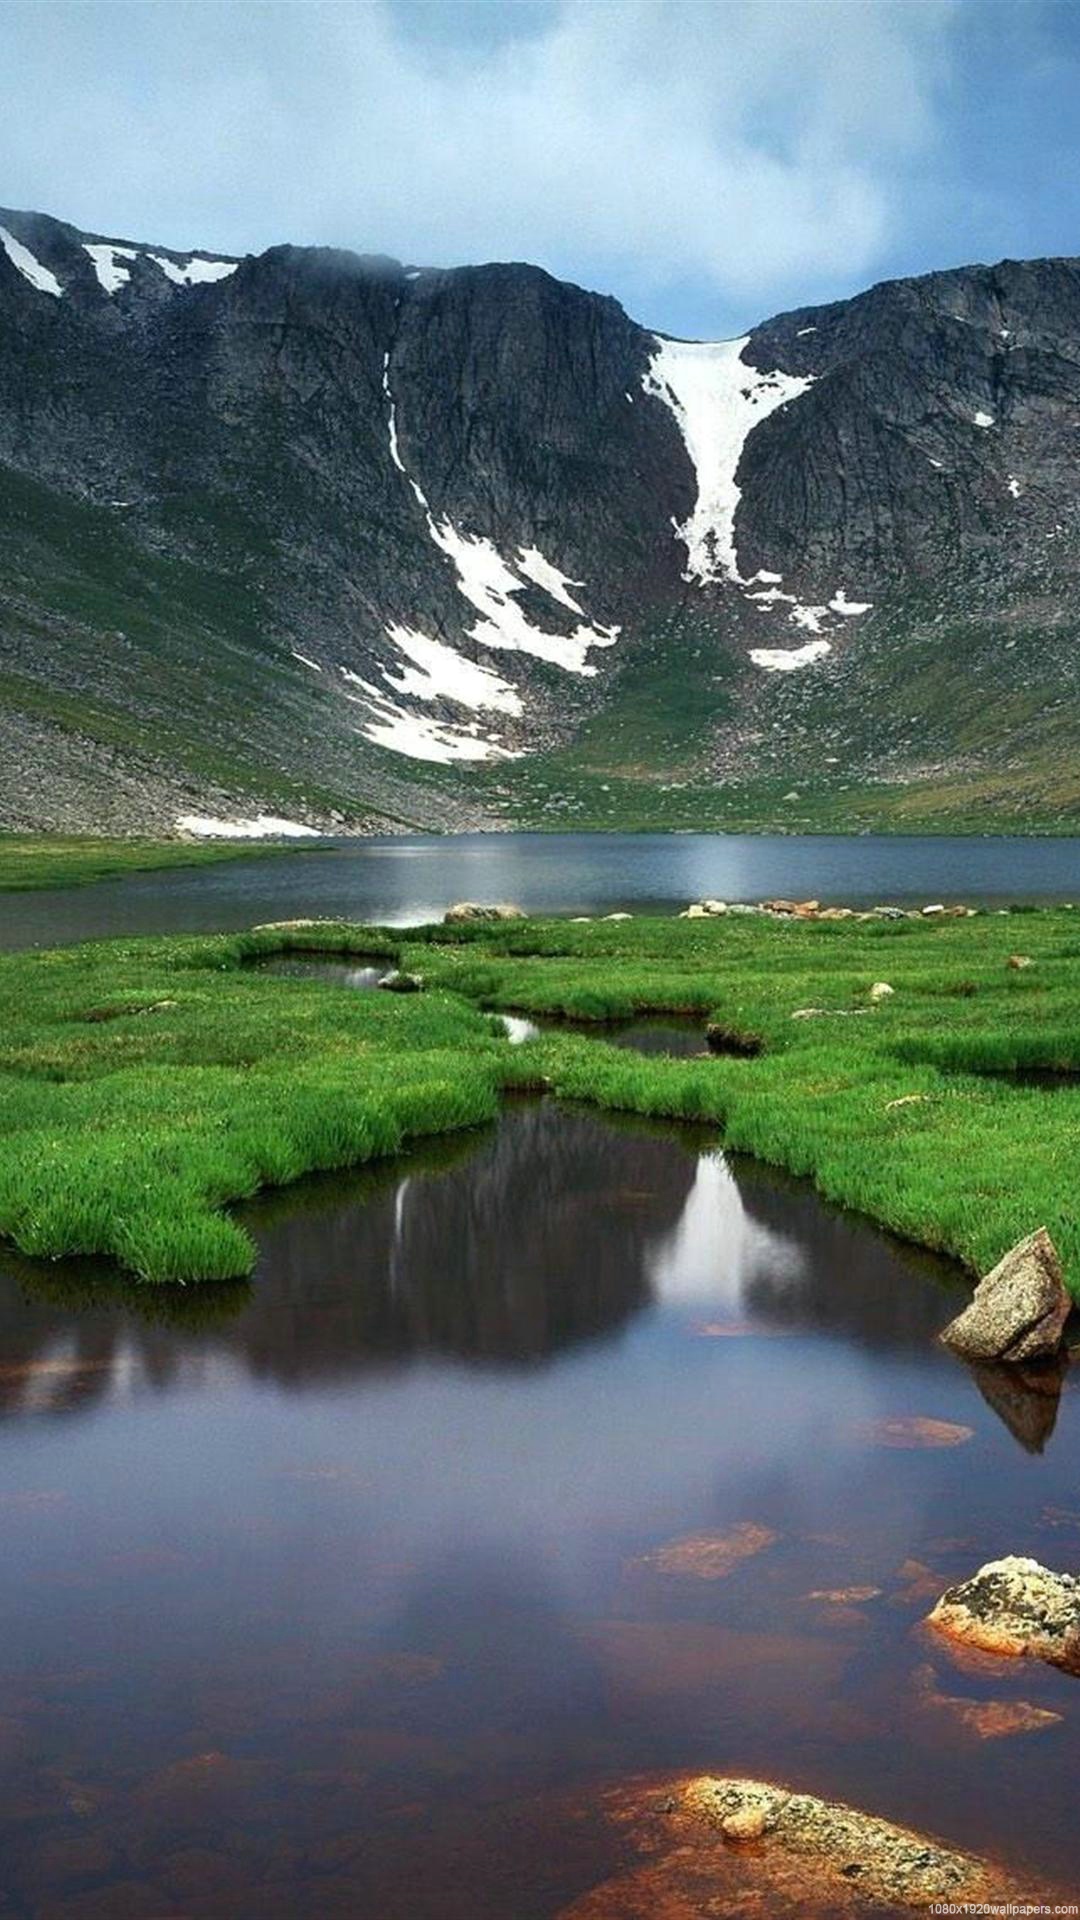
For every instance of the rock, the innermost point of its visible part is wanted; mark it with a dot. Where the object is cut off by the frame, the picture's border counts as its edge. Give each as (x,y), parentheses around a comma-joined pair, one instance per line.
(887,913)
(914,1432)
(1017,1607)
(398,982)
(723,1039)
(845,1596)
(881,990)
(468,910)
(808,1856)
(288,926)
(694,912)
(747,1823)
(1018,1311)
(716,907)
(929,912)
(707,1556)
(1018,961)
(618,916)
(987,1719)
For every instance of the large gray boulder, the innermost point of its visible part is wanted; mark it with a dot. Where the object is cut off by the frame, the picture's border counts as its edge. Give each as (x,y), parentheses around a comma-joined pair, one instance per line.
(468,910)
(1018,1312)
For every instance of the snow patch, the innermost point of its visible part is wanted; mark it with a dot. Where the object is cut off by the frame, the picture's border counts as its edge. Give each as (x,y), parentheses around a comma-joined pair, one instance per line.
(717,401)
(786,659)
(841,604)
(771,597)
(489,583)
(1013,486)
(304,661)
(24,262)
(421,738)
(439,672)
(194,272)
(531,562)
(809,618)
(984,419)
(108,263)
(803,331)
(263,827)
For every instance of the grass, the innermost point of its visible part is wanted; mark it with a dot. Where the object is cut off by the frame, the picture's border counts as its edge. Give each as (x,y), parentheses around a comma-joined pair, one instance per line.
(31,861)
(145,1085)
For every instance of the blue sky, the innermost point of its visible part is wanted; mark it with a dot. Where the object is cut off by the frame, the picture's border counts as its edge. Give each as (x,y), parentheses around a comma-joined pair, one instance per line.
(707,161)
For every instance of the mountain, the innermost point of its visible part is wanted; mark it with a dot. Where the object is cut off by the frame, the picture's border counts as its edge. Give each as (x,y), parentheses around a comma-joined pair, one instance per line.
(326,538)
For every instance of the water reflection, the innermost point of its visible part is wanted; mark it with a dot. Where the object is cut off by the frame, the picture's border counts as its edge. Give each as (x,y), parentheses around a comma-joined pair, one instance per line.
(552,1228)
(337,1575)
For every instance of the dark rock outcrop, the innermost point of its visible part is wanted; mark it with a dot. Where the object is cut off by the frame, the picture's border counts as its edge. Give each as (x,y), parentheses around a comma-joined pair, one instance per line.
(320,529)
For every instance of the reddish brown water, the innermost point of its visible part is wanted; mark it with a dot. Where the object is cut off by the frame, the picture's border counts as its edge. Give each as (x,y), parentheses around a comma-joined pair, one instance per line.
(345,1594)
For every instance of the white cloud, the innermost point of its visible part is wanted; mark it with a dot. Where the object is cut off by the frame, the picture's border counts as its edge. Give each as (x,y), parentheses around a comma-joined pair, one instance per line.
(752,148)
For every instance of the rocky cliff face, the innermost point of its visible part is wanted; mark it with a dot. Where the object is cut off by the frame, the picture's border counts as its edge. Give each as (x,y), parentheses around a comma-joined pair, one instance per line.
(362,543)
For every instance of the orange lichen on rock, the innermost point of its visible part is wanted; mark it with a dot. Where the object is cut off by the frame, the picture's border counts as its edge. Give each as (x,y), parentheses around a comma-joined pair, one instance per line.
(714,1845)
(1015,1607)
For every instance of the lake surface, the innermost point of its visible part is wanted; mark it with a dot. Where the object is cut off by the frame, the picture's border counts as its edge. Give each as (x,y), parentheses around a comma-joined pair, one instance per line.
(411,880)
(344,1593)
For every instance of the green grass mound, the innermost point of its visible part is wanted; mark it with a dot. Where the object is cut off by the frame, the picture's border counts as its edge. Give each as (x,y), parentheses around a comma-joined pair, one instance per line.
(145,1085)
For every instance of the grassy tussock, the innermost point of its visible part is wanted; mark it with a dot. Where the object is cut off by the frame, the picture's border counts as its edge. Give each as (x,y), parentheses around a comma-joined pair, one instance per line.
(145,1085)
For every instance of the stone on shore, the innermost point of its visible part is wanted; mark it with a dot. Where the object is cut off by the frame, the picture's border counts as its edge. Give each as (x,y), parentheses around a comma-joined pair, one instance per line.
(466,911)
(397,982)
(1015,1607)
(1018,1311)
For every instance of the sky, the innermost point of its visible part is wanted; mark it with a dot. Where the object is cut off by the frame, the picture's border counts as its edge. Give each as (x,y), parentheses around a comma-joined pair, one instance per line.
(709,162)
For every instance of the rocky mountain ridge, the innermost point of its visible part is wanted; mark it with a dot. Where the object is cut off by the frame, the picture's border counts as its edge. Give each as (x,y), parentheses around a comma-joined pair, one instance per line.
(351,543)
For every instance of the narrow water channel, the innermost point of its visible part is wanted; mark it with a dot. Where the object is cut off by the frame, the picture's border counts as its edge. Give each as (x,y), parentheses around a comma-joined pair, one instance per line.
(346,1593)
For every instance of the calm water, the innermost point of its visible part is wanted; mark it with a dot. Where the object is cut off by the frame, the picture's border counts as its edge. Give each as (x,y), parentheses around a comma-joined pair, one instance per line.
(332,1596)
(400,881)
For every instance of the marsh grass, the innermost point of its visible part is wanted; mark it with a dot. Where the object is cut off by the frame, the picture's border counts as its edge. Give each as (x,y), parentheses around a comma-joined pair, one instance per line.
(30,862)
(146,1085)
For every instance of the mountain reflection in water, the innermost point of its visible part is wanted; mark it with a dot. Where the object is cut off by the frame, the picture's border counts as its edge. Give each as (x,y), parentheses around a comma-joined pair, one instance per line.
(549,1229)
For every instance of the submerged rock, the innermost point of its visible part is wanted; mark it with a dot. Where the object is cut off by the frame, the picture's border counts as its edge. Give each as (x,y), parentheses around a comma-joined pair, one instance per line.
(1018,1311)
(467,910)
(913,1431)
(1016,1607)
(986,1719)
(719,1845)
(707,1556)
